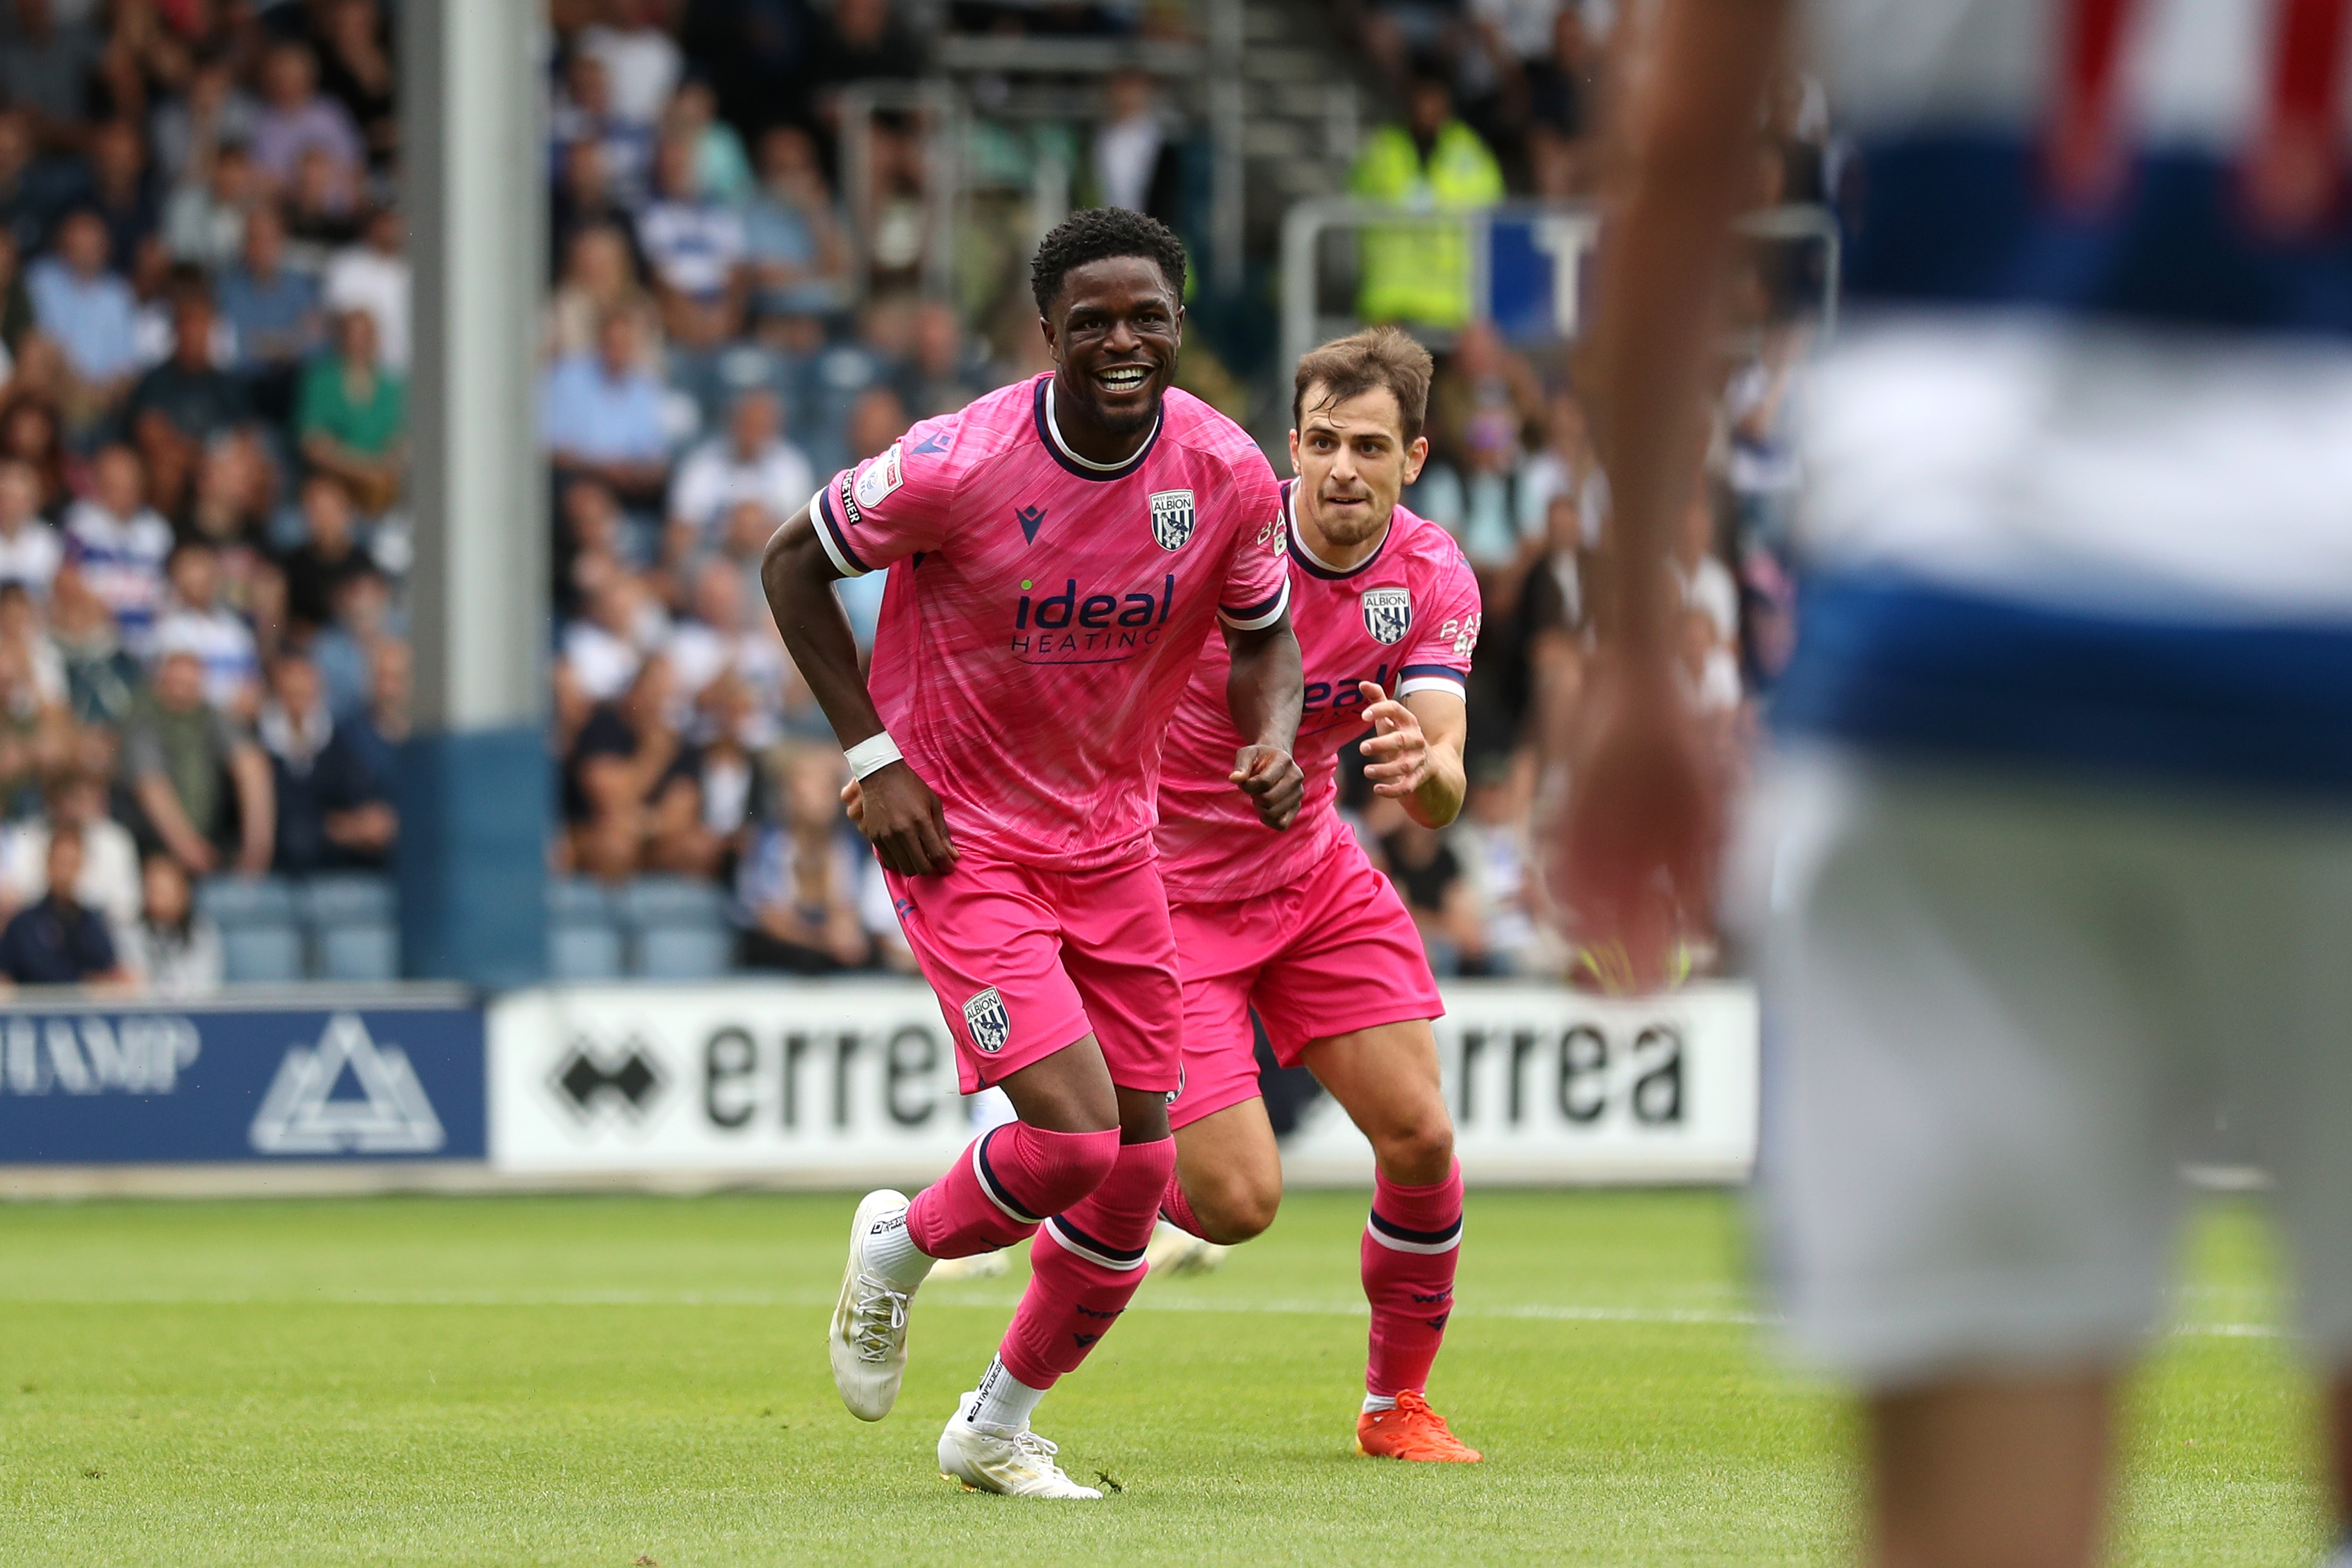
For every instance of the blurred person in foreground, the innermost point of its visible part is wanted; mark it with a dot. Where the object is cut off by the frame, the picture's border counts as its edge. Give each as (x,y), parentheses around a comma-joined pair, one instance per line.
(59,941)
(2055,850)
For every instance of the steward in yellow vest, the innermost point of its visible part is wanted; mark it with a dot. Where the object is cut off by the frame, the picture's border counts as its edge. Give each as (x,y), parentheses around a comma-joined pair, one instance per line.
(1420,272)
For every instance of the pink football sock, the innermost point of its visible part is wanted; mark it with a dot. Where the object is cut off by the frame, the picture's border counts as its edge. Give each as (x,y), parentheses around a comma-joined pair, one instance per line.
(1010,1179)
(1177,1209)
(1410,1245)
(1084,1266)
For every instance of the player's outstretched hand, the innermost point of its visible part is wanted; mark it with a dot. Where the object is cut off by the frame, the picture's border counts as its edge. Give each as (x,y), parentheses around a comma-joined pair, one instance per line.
(901,817)
(1397,754)
(1272,781)
(1632,863)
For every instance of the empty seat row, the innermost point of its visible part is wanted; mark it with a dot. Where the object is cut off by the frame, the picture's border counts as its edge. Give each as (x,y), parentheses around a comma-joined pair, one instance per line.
(340,926)
(656,928)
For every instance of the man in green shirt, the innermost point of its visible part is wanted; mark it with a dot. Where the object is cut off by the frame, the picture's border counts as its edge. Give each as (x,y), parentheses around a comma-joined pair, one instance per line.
(351,415)
(1420,272)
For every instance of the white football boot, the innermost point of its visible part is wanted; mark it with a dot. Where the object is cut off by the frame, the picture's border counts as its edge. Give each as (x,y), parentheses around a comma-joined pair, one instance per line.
(868,1339)
(1014,1463)
(1174,1250)
(979,1265)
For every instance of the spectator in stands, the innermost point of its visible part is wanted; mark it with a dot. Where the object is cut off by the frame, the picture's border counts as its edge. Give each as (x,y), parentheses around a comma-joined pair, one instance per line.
(1491,837)
(58,941)
(718,643)
(203,220)
(196,775)
(195,129)
(273,308)
(584,115)
(323,214)
(600,277)
(693,247)
(172,949)
(640,60)
(721,171)
(373,276)
(352,415)
(119,543)
(120,190)
(295,117)
(799,257)
(30,434)
(16,305)
(45,71)
(947,368)
(24,205)
(344,650)
(109,883)
(187,400)
(102,677)
(377,728)
(89,311)
(1428,875)
(355,70)
(602,416)
(864,40)
(331,811)
(194,621)
(604,650)
(631,792)
(753,461)
(726,768)
(329,552)
(1420,272)
(1137,164)
(229,510)
(799,886)
(29,547)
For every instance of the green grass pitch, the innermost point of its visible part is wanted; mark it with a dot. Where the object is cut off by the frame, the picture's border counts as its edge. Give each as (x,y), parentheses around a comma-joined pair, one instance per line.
(605,1381)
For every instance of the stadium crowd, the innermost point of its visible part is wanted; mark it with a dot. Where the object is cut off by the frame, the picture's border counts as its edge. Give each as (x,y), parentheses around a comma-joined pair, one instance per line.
(204,332)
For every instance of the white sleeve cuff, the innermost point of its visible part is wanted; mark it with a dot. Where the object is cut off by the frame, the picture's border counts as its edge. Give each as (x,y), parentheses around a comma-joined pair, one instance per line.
(1261,615)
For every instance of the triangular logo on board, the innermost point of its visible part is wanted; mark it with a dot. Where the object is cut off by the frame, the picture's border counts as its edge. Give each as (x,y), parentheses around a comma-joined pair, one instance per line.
(299,1116)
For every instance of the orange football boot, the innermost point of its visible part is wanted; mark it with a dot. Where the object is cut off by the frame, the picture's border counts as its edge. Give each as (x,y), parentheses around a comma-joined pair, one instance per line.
(1412,1431)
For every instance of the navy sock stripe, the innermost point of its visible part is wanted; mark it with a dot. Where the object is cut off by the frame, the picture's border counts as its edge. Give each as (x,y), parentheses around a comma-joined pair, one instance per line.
(1124,1254)
(1427,1238)
(996,1187)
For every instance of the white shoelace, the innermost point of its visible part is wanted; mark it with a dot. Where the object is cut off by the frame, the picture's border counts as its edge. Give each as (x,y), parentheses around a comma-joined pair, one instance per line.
(880,1313)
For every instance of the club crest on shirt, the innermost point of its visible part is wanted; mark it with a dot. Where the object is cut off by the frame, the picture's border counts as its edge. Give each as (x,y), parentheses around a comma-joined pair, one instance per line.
(1172,518)
(883,475)
(1388,613)
(985,1016)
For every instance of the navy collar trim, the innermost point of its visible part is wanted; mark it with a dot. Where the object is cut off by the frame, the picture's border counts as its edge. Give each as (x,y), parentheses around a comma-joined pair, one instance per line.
(1069,462)
(1307,561)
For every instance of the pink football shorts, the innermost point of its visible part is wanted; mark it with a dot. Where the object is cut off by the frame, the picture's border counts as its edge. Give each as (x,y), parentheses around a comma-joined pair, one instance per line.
(1026,961)
(1327,954)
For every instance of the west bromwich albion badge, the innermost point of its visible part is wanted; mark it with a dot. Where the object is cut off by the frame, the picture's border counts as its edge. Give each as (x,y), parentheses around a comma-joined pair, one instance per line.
(1388,613)
(1172,518)
(985,1016)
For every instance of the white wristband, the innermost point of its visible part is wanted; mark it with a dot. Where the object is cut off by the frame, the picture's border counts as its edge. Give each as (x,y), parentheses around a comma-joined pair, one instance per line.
(872,754)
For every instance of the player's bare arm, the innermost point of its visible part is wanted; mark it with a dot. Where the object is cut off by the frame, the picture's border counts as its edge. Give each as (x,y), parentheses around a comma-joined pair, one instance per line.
(1634,862)
(1415,755)
(1265,694)
(899,812)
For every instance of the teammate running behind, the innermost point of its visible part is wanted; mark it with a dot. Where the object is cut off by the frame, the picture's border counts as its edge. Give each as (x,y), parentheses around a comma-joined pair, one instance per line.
(1061,550)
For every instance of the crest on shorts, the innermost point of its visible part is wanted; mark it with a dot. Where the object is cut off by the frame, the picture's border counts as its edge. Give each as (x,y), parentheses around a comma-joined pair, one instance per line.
(1172,518)
(985,1016)
(1388,613)
(1179,1089)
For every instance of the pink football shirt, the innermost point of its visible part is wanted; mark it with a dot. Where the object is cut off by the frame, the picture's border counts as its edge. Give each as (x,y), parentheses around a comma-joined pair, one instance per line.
(1044,613)
(1407,617)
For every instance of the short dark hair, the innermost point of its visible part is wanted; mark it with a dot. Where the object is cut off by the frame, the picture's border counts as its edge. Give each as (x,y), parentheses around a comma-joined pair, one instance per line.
(1360,363)
(1099,234)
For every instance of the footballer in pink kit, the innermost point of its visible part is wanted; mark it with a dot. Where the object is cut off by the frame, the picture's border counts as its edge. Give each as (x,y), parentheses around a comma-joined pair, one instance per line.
(1299,924)
(1059,551)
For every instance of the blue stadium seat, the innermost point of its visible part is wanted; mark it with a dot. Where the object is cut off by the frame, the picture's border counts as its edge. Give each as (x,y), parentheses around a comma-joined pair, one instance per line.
(247,900)
(347,897)
(685,951)
(672,900)
(583,952)
(570,899)
(261,952)
(357,951)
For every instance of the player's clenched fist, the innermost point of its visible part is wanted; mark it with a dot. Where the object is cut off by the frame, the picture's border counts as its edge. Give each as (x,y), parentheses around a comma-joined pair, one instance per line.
(1396,755)
(1272,781)
(901,817)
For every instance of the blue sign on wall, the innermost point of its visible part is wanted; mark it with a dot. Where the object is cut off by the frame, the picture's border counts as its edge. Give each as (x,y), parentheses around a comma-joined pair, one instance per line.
(141,1085)
(1535,273)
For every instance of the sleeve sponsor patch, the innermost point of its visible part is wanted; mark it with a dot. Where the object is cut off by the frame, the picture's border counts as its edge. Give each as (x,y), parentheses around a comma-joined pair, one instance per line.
(879,478)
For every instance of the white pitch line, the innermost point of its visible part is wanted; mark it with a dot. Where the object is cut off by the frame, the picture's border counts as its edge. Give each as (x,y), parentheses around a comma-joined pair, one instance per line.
(1542,1312)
